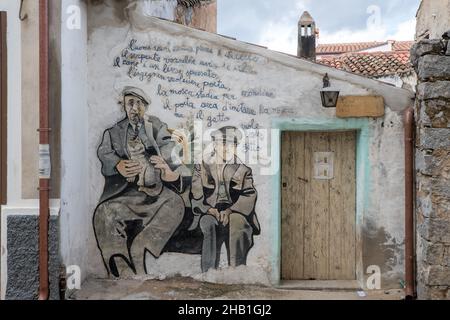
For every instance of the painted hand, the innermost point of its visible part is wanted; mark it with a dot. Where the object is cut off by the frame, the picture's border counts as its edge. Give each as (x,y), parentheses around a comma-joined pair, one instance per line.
(166,173)
(224,217)
(129,168)
(215,213)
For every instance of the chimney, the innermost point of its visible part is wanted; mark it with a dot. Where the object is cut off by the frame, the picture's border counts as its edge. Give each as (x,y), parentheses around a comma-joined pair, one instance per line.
(199,14)
(306,37)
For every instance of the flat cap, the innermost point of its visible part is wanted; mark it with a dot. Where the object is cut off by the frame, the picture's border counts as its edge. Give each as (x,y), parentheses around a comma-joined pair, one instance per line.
(227,134)
(139,93)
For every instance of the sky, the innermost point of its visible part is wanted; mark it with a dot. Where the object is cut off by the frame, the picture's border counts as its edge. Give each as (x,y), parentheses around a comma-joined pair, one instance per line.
(273,23)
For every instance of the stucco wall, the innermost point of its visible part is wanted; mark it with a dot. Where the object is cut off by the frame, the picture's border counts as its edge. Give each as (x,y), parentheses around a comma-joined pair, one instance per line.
(22,144)
(74,121)
(406,81)
(253,86)
(30,99)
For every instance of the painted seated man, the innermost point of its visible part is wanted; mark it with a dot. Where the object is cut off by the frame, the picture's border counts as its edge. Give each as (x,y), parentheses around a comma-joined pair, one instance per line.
(223,200)
(140,207)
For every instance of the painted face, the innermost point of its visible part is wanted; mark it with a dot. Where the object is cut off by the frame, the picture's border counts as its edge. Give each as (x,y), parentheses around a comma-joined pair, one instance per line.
(135,109)
(225,150)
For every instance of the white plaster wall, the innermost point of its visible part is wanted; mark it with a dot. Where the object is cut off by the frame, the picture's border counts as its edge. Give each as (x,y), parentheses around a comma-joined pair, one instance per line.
(406,81)
(385,215)
(75,221)
(16,205)
(295,85)
(14,126)
(157,8)
(383,48)
(394,80)
(14,101)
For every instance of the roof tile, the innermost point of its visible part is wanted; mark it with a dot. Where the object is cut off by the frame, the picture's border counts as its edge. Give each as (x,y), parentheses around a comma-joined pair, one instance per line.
(376,64)
(339,48)
(334,48)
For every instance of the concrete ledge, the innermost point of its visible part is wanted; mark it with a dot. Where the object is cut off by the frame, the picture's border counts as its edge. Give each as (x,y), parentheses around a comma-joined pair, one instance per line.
(189,289)
(338,285)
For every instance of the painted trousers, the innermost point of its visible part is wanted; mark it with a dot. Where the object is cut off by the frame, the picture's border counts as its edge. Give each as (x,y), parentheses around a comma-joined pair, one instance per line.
(237,236)
(134,223)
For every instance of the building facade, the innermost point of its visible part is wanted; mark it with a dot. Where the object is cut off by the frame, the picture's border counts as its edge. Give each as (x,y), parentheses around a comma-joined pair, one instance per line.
(145,103)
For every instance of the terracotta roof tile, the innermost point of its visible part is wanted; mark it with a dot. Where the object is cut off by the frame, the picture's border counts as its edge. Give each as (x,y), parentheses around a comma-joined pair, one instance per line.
(373,64)
(402,45)
(339,48)
(335,48)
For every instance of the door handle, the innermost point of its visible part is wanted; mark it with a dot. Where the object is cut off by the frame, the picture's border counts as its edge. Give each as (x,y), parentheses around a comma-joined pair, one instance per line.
(303,180)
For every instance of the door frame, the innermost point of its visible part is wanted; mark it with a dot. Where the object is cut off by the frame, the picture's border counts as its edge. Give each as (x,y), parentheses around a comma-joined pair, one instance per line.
(363,183)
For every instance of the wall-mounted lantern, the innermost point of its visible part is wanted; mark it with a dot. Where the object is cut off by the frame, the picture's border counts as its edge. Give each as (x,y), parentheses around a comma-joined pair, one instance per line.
(328,95)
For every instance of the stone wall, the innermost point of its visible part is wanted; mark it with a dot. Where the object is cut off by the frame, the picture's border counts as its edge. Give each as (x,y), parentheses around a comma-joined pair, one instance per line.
(431,59)
(433,19)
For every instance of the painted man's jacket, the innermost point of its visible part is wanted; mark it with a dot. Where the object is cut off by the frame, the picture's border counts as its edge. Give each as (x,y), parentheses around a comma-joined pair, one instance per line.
(238,183)
(113,149)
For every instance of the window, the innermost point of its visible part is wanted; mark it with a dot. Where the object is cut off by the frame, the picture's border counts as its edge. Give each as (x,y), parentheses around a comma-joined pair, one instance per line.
(3,107)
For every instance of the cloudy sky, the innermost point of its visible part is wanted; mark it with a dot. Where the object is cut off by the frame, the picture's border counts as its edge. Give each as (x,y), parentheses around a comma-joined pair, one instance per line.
(273,23)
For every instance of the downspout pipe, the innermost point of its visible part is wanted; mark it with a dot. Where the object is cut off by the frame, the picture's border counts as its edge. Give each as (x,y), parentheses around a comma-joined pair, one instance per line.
(44,182)
(409,205)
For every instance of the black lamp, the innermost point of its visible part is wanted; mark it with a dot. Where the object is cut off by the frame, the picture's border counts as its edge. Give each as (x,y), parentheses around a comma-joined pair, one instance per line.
(328,95)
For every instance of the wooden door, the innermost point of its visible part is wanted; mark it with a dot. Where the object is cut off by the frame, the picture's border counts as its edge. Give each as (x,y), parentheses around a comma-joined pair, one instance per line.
(318,206)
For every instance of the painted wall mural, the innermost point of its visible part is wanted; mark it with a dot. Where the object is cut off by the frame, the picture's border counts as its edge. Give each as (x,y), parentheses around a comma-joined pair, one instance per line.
(186,77)
(223,202)
(159,200)
(142,205)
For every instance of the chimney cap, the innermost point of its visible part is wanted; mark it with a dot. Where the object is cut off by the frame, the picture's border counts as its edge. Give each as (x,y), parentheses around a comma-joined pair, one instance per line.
(306,18)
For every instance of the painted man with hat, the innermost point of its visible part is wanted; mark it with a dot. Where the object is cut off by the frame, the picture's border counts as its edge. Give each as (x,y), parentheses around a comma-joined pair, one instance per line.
(140,207)
(223,200)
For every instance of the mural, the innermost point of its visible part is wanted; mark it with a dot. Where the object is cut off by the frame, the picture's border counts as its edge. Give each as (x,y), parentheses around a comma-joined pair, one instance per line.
(152,203)
(140,207)
(223,202)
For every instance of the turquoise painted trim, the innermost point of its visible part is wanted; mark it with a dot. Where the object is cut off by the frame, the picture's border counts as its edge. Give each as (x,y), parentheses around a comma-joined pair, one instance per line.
(363,184)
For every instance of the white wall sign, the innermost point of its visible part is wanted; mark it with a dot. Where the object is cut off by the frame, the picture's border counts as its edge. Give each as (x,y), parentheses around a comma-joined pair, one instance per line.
(44,161)
(323,165)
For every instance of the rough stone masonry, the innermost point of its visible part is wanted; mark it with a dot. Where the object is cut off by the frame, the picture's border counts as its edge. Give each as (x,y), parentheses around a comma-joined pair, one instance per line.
(431,59)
